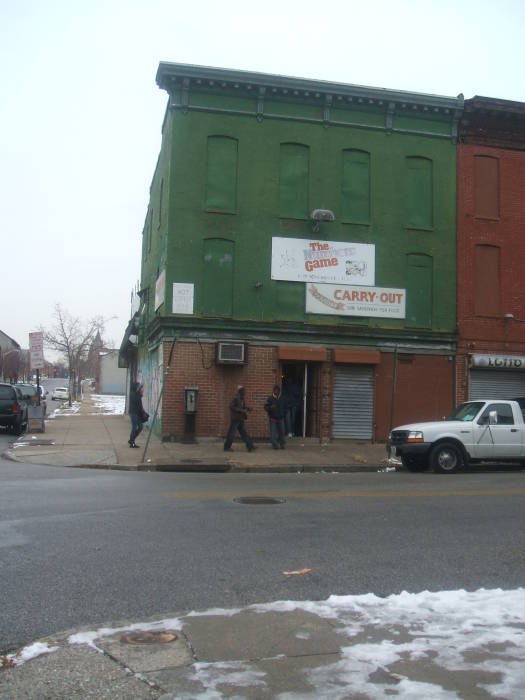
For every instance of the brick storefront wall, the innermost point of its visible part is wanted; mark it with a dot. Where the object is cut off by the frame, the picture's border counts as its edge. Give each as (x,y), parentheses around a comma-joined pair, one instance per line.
(423,390)
(491,335)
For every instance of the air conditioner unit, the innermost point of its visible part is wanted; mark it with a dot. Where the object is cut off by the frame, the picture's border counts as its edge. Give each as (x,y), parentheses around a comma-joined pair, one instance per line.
(231,353)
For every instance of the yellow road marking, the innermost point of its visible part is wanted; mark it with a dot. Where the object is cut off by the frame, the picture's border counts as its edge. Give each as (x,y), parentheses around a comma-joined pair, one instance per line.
(318,495)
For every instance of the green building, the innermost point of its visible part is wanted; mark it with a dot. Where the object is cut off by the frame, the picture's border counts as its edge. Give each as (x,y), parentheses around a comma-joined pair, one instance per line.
(299,232)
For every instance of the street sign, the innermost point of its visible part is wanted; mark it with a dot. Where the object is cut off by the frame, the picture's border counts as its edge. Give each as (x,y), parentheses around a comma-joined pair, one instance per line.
(36,350)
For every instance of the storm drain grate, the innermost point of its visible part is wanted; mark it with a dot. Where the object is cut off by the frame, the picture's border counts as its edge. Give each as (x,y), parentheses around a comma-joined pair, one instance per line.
(148,638)
(259,500)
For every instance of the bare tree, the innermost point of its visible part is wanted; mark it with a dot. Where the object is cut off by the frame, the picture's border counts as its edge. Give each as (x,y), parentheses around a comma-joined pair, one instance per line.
(72,338)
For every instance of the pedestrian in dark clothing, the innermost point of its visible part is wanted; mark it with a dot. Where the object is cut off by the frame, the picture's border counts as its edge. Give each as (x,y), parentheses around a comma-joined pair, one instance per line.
(136,412)
(238,414)
(275,409)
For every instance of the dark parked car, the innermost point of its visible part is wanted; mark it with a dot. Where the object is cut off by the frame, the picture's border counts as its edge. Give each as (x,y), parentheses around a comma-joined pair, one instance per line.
(13,409)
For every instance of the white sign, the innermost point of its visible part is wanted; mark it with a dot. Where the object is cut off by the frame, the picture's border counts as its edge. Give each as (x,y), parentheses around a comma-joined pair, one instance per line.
(304,260)
(160,289)
(498,361)
(36,350)
(182,298)
(346,300)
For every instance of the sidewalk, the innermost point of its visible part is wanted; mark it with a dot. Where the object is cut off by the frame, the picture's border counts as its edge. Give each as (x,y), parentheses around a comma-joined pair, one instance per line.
(406,646)
(86,436)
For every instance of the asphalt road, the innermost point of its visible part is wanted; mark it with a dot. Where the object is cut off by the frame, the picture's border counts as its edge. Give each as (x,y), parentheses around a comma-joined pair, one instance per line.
(87,546)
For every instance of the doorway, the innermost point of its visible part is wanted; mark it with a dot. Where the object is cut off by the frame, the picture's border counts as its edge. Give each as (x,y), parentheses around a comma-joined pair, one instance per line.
(300,387)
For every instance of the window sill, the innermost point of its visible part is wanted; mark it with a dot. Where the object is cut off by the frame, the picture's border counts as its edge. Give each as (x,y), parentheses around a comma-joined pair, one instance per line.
(210,210)
(495,219)
(420,228)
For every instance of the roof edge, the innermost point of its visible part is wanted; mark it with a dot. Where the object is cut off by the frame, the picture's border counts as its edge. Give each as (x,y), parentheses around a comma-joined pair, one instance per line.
(167,72)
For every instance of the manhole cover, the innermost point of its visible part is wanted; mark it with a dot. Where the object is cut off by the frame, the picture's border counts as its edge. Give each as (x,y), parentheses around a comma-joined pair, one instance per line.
(259,500)
(148,638)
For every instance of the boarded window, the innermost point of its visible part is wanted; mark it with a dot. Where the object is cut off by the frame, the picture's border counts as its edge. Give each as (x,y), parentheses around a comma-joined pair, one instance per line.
(487,281)
(355,204)
(419,291)
(294,181)
(419,192)
(221,175)
(217,277)
(486,187)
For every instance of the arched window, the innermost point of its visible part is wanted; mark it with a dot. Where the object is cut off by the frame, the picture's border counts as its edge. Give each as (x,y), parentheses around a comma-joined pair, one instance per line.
(294,171)
(217,277)
(221,175)
(486,187)
(419,290)
(355,189)
(418,192)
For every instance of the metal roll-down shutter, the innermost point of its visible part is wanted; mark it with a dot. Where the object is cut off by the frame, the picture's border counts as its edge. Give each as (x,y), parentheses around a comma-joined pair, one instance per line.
(496,384)
(353,415)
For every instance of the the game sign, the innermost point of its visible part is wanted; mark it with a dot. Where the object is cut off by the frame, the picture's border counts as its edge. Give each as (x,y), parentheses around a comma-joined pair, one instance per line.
(304,260)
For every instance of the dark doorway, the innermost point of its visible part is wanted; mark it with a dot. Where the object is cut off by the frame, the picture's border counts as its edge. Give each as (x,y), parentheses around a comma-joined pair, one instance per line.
(300,386)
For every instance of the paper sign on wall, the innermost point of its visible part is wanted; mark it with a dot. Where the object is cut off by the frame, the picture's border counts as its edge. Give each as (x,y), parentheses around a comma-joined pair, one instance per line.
(183,298)
(336,262)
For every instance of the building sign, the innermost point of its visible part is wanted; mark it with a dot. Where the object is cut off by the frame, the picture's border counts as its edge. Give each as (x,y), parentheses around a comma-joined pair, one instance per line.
(36,350)
(160,289)
(182,298)
(498,361)
(346,300)
(304,260)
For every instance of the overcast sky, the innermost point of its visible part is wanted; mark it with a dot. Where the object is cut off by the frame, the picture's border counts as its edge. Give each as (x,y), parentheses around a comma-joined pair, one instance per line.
(80,113)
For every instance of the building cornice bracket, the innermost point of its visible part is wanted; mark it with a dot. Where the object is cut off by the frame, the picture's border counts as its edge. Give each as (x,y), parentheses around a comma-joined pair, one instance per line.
(185,95)
(328,99)
(260,104)
(390,115)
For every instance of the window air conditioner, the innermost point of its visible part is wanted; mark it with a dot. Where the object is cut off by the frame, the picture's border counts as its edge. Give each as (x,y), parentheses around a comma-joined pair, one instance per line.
(231,353)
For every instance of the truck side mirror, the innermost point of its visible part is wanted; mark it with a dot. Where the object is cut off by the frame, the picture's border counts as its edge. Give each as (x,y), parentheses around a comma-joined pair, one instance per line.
(493,417)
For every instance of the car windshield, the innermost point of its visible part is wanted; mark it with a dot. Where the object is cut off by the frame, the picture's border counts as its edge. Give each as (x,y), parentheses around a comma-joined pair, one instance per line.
(467,411)
(27,389)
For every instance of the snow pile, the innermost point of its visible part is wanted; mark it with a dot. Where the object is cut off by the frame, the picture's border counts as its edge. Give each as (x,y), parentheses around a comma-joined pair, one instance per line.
(109,405)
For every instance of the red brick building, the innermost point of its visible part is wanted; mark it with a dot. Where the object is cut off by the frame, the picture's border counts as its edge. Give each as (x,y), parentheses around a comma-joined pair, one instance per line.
(491,250)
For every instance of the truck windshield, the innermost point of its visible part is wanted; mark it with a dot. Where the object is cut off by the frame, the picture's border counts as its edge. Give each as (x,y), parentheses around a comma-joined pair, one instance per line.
(467,411)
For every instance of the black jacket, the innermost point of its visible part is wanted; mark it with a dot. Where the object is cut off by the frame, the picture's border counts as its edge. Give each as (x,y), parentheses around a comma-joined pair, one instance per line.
(275,407)
(135,402)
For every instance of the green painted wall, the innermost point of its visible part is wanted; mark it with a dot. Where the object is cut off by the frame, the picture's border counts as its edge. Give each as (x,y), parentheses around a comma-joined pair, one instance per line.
(226,250)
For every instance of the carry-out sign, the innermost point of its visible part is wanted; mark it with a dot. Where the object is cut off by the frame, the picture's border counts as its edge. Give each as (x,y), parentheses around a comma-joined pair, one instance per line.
(336,262)
(349,300)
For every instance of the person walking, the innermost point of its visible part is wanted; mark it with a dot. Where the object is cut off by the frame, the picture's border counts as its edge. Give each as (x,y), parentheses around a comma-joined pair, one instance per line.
(136,412)
(238,414)
(275,409)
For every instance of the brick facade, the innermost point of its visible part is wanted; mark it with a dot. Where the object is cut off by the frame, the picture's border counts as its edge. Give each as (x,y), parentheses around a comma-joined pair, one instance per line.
(495,130)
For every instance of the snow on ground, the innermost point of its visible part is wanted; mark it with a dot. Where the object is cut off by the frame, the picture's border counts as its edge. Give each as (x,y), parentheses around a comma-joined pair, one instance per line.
(398,637)
(64,409)
(113,405)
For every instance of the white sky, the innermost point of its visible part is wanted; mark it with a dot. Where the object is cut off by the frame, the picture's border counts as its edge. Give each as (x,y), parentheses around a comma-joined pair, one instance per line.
(80,113)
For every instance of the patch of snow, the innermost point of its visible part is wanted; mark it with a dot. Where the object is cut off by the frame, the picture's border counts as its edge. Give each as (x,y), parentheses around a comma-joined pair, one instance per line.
(110,405)
(28,653)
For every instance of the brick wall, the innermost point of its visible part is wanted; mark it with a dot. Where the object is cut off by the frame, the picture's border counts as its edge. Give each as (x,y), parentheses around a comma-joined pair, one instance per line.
(491,334)
(194,364)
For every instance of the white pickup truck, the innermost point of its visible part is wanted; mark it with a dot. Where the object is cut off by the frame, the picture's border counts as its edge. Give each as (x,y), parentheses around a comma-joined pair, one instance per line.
(491,430)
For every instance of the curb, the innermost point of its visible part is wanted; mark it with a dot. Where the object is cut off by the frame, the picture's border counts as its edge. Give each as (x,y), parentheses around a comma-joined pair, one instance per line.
(213,467)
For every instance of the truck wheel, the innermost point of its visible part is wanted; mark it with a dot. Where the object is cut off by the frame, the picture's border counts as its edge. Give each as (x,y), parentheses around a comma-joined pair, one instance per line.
(446,458)
(413,464)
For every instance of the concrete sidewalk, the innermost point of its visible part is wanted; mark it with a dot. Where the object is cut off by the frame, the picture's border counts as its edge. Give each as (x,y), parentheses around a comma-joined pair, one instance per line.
(282,650)
(86,436)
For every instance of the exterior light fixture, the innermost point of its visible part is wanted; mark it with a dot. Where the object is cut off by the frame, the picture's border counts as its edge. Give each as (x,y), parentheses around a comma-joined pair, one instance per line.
(319,215)
(508,317)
